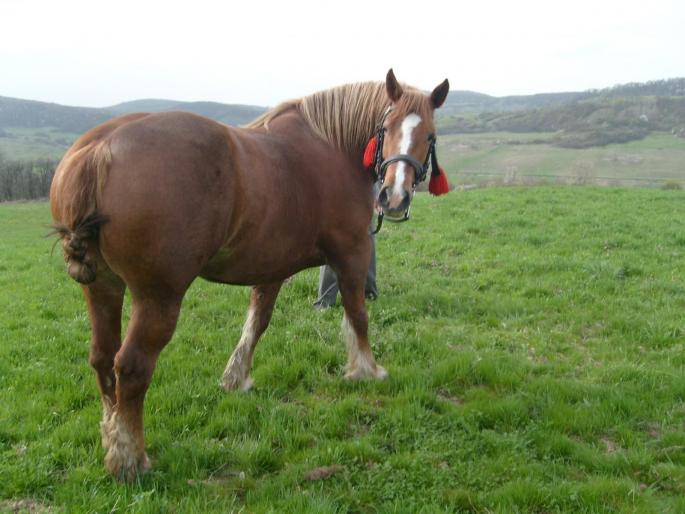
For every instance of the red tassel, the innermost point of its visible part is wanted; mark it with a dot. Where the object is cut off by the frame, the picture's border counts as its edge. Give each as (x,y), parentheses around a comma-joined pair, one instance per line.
(438,184)
(370,152)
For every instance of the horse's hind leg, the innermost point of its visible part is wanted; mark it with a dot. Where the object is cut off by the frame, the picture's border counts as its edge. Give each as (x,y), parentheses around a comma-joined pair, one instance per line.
(237,373)
(153,321)
(360,361)
(105,298)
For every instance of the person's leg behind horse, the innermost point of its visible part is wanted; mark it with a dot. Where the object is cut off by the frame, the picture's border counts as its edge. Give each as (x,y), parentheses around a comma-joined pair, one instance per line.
(328,288)
(371,289)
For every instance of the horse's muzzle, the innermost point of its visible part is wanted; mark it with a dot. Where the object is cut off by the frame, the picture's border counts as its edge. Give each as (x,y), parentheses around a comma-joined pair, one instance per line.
(395,207)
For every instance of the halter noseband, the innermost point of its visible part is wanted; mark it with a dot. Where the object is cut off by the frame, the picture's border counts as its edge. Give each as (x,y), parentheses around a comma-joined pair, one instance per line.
(421,170)
(380,166)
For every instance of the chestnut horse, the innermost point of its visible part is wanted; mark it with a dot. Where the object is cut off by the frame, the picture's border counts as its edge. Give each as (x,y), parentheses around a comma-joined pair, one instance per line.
(152,201)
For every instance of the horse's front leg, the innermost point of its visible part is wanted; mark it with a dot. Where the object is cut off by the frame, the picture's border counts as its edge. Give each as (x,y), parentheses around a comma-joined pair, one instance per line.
(360,361)
(152,324)
(237,372)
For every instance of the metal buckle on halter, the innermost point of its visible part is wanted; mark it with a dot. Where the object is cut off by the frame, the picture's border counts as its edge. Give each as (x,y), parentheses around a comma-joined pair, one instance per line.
(404,218)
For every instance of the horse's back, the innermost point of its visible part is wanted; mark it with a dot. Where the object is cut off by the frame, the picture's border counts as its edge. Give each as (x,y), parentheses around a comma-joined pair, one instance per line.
(174,132)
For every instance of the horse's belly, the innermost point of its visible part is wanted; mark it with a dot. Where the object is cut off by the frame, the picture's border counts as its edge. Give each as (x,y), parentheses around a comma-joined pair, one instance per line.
(253,268)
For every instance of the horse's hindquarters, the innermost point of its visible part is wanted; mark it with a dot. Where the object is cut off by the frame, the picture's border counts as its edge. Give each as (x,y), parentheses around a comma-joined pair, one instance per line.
(167,199)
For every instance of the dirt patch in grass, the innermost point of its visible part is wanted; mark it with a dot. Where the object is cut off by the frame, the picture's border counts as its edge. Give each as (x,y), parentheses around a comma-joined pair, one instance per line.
(25,506)
(323,472)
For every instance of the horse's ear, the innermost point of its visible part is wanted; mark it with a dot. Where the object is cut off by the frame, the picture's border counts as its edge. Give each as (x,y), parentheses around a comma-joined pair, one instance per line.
(392,86)
(440,93)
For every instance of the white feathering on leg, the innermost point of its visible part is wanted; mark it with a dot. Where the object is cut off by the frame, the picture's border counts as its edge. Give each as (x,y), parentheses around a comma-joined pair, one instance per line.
(126,457)
(237,373)
(359,365)
(107,412)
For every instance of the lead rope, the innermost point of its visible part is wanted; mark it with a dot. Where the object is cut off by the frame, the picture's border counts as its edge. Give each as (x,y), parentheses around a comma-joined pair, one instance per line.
(379,222)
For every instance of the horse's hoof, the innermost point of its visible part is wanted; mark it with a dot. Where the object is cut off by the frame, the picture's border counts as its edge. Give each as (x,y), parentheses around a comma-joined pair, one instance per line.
(233,383)
(381,373)
(362,373)
(126,468)
(126,458)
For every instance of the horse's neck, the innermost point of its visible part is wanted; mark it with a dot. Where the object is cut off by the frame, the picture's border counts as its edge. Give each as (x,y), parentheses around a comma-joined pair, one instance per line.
(289,122)
(289,139)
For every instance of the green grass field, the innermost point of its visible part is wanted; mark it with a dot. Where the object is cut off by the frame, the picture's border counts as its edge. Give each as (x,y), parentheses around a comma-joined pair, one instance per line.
(535,339)
(529,158)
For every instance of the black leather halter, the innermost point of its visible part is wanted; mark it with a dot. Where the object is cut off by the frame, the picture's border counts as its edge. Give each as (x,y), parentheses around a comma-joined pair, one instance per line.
(380,166)
(421,170)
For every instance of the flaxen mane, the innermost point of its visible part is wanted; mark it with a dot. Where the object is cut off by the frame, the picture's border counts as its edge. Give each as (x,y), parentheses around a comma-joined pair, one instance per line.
(346,116)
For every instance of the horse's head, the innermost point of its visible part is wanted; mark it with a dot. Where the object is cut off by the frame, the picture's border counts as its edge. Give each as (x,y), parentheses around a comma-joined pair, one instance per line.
(407,141)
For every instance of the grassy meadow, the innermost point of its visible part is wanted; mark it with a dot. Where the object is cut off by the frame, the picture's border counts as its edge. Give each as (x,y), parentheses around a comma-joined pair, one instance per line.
(23,144)
(514,158)
(535,340)
(493,158)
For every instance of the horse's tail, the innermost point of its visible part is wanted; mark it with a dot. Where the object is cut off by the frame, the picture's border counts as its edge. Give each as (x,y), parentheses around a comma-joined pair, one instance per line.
(74,193)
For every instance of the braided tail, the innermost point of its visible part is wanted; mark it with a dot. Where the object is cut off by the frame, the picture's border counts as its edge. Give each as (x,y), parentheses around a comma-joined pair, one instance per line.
(80,266)
(73,197)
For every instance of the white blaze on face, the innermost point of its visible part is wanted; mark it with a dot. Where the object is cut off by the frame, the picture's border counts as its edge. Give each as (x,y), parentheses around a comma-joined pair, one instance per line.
(408,125)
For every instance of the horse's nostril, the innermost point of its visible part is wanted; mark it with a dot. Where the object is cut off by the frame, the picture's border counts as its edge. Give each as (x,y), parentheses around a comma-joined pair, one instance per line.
(405,202)
(383,197)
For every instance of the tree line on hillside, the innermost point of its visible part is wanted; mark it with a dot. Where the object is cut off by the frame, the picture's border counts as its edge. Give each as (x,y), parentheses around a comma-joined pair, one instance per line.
(25,180)
(666,87)
(462,102)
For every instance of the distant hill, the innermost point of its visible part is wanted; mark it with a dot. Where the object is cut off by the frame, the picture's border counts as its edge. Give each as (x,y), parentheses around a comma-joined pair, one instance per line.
(598,117)
(230,114)
(472,102)
(30,129)
(17,113)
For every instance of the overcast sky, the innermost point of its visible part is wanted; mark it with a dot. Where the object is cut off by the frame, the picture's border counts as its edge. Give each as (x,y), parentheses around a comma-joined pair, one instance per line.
(97,53)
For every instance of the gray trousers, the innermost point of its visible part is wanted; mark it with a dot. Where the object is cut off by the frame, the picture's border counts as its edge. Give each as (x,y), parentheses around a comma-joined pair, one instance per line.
(328,281)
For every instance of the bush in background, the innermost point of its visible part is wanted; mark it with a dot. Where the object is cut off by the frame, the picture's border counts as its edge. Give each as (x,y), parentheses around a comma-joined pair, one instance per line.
(25,180)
